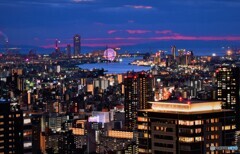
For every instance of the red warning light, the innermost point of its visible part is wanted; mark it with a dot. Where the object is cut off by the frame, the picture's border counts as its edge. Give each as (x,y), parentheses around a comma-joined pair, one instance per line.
(180,99)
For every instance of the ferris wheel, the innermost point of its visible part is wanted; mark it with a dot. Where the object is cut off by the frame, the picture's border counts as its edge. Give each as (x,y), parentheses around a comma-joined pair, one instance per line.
(110,54)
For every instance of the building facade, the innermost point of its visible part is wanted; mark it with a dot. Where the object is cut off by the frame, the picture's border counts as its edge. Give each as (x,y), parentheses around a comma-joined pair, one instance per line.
(185,127)
(138,91)
(228,89)
(77,45)
(11,128)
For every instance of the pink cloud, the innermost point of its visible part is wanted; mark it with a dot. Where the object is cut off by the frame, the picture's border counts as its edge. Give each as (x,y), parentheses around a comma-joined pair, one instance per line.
(79,1)
(93,45)
(198,38)
(109,44)
(139,6)
(129,41)
(112,31)
(137,31)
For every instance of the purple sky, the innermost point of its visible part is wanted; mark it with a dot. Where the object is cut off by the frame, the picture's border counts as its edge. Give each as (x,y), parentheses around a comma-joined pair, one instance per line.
(118,23)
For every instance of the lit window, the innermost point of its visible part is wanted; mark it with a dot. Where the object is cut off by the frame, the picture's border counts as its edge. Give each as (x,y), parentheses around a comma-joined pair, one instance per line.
(198,122)
(186,139)
(198,139)
(212,137)
(198,130)
(226,127)
(142,127)
(142,119)
(185,122)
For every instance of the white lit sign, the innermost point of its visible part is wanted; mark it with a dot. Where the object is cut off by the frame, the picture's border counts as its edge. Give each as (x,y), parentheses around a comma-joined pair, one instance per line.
(93,119)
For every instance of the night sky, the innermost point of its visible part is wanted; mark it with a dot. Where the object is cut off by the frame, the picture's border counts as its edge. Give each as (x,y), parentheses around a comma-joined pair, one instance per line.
(119,23)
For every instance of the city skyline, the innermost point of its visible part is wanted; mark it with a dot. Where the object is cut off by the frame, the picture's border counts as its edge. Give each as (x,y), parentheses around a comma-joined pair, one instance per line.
(120,23)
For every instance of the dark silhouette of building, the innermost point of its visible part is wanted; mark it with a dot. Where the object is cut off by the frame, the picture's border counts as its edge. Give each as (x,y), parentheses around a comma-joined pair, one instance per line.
(173,51)
(66,143)
(36,133)
(69,54)
(11,128)
(77,45)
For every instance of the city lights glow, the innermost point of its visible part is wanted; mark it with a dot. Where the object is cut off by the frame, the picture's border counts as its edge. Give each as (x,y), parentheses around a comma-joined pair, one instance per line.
(186,107)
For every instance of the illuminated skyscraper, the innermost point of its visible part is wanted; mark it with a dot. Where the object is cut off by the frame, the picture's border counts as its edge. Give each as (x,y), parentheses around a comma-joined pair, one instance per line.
(228,82)
(185,128)
(77,45)
(173,50)
(138,91)
(131,100)
(11,128)
(145,90)
(57,49)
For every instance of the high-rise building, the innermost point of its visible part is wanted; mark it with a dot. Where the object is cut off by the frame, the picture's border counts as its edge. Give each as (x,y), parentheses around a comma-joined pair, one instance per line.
(11,128)
(69,50)
(57,49)
(184,127)
(138,90)
(173,51)
(145,90)
(36,133)
(77,45)
(228,89)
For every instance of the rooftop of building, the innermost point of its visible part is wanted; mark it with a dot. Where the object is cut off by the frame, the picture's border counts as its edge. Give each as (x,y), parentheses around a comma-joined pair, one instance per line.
(186,106)
(188,113)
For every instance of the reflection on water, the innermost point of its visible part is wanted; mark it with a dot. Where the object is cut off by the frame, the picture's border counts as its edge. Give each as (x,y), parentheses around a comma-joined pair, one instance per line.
(119,67)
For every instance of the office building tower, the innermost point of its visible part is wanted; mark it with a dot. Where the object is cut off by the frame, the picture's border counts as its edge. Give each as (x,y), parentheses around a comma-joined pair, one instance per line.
(131,100)
(173,51)
(11,128)
(36,133)
(181,52)
(66,143)
(138,90)
(27,132)
(69,51)
(145,90)
(188,57)
(228,89)
(185,128)
(77,45)
(118,141)
(57,49)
